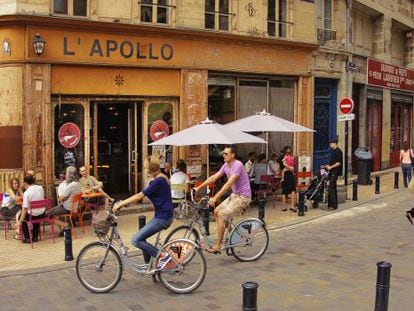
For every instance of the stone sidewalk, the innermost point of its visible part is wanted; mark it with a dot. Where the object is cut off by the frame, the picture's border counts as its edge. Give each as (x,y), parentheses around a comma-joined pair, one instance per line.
(18,258)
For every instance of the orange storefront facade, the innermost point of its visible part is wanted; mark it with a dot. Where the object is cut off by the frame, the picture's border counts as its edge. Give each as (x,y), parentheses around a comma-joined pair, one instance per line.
(122,86)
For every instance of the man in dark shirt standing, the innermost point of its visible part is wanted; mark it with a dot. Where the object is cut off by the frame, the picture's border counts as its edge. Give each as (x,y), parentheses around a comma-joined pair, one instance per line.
(335,169)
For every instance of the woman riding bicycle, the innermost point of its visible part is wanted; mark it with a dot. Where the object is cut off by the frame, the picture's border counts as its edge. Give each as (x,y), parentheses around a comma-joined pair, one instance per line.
(159,193)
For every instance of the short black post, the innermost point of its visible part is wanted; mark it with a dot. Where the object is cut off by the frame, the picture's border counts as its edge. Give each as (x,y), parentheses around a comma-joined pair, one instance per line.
(142,220)
(67,234)
(250,296)
(396,179)
(301,204)
(206,219)
(377,185)
(262,205)
(383,285)
(355,190)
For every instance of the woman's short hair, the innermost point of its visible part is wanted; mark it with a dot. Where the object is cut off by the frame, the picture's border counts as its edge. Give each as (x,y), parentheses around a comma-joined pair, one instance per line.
(153,164)
(71,174)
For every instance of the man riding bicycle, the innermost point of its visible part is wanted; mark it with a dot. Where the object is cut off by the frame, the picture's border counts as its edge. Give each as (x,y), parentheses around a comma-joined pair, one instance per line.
(239,200)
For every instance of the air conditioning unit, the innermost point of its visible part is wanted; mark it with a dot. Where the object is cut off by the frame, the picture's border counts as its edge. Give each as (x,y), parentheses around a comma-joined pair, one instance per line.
(326,34)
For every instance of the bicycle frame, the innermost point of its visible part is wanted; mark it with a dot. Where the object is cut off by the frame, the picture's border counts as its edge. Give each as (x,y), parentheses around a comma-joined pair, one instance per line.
(143,269)
(229,229)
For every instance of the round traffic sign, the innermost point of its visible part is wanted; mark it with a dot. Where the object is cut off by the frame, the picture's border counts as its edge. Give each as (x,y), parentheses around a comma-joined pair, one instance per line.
(159,129)
(346,105)
(69,135)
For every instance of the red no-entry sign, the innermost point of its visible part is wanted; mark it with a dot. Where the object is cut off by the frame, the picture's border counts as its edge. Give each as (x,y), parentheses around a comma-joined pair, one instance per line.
(346,105)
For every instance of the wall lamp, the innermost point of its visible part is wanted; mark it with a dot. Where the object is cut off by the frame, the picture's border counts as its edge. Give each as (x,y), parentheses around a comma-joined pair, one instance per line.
(38,44)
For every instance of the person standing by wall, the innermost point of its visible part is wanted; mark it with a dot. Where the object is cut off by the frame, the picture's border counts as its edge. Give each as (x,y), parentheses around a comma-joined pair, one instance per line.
(288,183)
(335,169)
(405,159)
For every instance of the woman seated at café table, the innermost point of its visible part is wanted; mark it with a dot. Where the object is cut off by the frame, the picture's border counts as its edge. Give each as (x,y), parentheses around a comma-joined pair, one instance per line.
(11,204)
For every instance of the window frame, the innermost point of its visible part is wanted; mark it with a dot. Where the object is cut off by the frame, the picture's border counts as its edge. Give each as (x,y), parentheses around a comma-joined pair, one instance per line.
(278,23)
(70,5)
(320,14)
(217,14)
(154,6)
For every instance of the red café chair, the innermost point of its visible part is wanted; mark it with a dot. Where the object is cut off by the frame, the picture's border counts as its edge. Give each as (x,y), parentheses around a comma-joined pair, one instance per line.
(47,203)
(267,185)
(75,211)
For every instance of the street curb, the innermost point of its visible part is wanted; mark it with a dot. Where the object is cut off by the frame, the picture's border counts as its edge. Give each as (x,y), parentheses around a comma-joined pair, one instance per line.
(148,207)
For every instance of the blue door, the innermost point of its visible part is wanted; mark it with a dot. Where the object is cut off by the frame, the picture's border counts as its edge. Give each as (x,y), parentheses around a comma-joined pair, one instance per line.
(324,118)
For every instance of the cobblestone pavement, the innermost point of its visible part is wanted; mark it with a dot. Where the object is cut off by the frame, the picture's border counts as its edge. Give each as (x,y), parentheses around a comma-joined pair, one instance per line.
(328,263)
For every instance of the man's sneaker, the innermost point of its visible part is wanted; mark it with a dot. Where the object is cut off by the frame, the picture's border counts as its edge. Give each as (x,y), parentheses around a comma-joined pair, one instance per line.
(163,262)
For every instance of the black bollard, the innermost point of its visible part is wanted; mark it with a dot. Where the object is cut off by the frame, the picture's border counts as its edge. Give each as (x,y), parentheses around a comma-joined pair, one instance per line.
(67,234)
(396,179)
(206,219)
(383,286)
(355,190)
(262,205)
(377,185)
(301,204)
(250,296)
(142,220)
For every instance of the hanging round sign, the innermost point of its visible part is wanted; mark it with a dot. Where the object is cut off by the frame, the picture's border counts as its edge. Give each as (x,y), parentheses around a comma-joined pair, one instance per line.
(159,129)
(69,135)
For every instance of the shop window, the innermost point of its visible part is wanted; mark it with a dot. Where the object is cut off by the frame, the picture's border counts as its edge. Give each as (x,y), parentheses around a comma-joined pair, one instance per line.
(277,21)
(221,108)
(69,137)
(217,14)
(160,125)
(71,7)
(11,144)
(155,11)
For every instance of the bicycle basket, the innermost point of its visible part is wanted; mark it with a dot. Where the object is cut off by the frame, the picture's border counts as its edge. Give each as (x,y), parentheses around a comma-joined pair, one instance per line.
(183,211)
(101,223)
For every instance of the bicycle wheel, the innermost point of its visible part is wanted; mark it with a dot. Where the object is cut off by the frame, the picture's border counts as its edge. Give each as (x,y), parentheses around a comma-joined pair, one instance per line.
(183,232)
(181,275)
(99,269)
(249,240)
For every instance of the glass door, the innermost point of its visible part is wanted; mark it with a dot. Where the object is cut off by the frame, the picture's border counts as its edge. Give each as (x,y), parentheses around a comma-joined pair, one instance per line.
(115,145)
(374,131)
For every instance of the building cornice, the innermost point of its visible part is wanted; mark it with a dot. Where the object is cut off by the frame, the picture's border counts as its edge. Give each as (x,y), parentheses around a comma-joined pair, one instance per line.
(157,31)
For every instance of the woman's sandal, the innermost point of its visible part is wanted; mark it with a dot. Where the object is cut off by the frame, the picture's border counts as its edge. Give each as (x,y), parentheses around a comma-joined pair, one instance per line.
(293,209)
(284,210)
(212,250)
(17,237)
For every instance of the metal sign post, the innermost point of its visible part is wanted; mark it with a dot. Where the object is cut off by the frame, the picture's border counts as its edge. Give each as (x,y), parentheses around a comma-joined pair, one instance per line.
(346,106)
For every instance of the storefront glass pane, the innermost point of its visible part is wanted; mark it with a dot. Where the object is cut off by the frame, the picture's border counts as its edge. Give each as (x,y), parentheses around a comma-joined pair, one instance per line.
(252,99)
(221,108)
(281,103)
(69,137)
(160,125)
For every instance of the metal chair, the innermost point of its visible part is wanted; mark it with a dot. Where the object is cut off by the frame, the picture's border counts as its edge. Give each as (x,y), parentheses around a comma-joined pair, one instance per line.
(75,211)
(266,187)
(40,204)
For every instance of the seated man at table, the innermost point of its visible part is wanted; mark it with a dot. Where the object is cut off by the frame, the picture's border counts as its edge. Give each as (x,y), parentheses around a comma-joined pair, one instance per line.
(71,189)
(33,193)
(91,185)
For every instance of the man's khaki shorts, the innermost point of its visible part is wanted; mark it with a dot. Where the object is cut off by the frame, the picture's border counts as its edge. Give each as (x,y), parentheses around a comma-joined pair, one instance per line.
(232,205)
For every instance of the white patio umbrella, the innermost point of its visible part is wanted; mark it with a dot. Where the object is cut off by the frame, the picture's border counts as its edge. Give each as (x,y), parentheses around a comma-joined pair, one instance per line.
(208,132)
(266,122)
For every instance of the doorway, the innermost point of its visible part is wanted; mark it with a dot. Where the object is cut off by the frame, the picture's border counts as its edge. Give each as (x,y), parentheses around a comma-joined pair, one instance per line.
(116,145)
(375,131)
